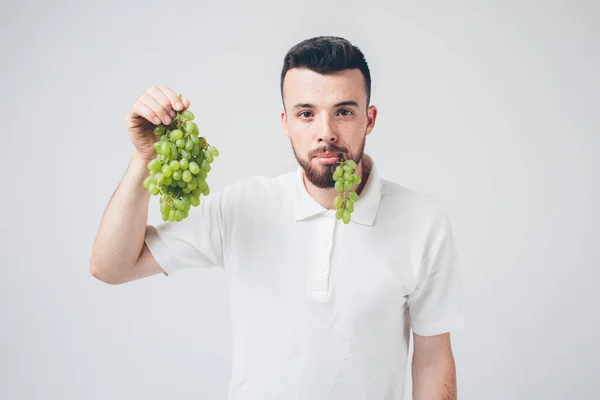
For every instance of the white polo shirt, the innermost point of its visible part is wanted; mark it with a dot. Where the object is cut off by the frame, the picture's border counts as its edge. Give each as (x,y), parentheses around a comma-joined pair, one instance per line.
(321,310)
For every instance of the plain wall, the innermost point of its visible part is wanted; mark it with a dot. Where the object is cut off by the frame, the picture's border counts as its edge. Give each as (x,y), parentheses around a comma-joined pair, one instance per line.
(490,107)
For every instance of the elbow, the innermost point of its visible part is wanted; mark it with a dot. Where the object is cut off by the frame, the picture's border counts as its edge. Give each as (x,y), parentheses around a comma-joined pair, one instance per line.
(99,274)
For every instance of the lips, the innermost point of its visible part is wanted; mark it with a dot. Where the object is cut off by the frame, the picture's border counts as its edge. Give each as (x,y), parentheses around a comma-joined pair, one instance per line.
(328,155)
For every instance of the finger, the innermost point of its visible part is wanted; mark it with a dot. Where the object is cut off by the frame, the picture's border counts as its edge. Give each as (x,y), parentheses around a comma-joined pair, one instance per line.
(164,101)
(186,103)
(155,106)
(140,109)
(176,103)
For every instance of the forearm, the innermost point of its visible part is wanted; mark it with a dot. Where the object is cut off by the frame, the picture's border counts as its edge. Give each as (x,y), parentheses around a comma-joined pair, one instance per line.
(122,229)
(434,379)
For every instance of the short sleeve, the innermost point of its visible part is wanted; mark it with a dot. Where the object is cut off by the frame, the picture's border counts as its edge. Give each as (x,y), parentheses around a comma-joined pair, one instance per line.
(195,242)
(436,305)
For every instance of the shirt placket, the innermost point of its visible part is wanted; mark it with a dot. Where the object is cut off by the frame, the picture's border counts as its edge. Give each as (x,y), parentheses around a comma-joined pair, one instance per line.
(320,273)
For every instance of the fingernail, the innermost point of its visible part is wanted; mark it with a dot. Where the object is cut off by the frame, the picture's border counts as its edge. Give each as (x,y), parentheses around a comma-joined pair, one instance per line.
(157,121)
(179,105)
(167,120)
(172,114)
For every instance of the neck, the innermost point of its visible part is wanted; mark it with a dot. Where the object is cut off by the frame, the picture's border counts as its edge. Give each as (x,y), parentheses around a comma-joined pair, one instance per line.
(325,196)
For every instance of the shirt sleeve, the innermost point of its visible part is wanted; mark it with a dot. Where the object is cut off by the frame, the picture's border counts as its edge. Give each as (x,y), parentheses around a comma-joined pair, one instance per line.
(436,305)
(195,242)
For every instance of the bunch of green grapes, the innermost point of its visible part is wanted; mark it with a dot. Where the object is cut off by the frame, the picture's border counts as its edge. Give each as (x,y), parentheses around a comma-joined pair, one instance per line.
(345,178)
(178,172)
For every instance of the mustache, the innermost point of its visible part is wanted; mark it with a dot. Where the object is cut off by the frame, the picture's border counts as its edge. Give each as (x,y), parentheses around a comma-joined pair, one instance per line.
(328,149)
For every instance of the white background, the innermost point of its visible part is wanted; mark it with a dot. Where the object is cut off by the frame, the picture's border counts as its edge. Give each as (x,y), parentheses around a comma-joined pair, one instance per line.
(490,107)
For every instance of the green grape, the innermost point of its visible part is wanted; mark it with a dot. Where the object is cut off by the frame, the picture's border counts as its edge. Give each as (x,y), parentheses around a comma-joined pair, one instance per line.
(187,114)
(159,130)
(177,174)
(163,206)
(166,171)
(192,184)
(190,127)
(353,196)
(184,163)
(194,168)
(176,135)
(154,165)
(185,154)
(352,164)
(147,181)
(347,185)
(337,174)
(346,217)
(165,148)
(339,186)
(205,166)
(347,176)
(178,204)
(337,202)
(174,165)
(350,206)
(186,202)
(153,188)
(347,168)
(339,213)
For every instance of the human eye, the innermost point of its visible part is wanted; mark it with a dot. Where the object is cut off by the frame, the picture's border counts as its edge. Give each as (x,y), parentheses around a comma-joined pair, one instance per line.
(304,112)
(349,112)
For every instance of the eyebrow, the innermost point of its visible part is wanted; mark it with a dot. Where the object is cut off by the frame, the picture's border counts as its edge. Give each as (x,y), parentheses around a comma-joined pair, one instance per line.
(343,103)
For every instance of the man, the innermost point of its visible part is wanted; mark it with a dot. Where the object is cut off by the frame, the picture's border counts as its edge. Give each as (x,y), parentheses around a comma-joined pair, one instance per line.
(320,309)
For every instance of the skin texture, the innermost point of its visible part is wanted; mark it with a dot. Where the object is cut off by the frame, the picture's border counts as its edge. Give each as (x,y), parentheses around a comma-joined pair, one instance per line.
(323,126)
(433,368)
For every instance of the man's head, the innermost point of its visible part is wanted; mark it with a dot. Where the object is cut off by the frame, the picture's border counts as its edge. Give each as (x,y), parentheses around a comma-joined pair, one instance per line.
(326,90)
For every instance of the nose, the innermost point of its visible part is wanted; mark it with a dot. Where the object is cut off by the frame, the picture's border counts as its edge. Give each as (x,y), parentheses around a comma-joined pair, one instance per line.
(328,133)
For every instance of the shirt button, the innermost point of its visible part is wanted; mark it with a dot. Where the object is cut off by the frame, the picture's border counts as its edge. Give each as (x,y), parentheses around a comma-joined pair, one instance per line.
(322,268)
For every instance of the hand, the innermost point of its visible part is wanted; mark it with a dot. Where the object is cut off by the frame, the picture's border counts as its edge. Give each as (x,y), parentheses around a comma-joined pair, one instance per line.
(154,107)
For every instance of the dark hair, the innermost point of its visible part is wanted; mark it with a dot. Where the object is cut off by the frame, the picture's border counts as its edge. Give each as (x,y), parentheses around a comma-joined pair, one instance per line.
(326,54)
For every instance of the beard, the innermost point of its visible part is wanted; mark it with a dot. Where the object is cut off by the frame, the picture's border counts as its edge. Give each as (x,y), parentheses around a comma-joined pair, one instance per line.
(321,175)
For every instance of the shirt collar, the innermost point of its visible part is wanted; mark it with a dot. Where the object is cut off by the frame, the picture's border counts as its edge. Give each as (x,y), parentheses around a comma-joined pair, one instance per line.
(365,208)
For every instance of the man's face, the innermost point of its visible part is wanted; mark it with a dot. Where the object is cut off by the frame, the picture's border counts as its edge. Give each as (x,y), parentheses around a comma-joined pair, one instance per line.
(319,127)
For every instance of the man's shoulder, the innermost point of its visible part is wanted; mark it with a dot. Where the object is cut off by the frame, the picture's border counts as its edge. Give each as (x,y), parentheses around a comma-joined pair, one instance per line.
(403,199)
